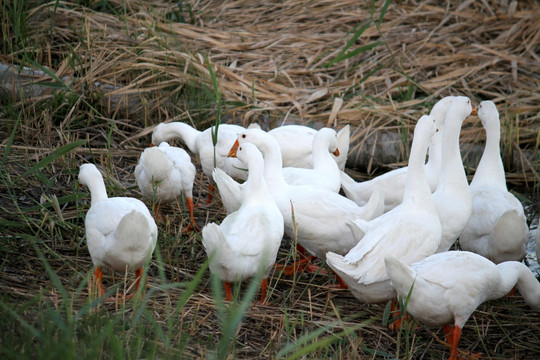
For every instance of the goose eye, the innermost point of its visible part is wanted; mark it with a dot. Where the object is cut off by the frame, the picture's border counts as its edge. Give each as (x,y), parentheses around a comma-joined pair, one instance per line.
(243,136)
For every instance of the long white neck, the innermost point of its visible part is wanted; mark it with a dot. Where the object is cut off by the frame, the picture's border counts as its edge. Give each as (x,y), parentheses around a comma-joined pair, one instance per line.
(435,152)
(452,171)
(417,189)
(255,189)
(273,162)
(185,132)
(490,170)
(321,153)
(96,185)
(435,147)
(512,273)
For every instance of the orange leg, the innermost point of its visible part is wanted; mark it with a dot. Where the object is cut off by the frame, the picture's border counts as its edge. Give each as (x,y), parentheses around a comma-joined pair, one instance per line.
(396,313)
(191,208)
(301,250)
(264,286)
(304,264)
(452,333)
(211,189)
(228,291)
(511,292)
(98,274)
(157,213)
(340,285)
(138,275)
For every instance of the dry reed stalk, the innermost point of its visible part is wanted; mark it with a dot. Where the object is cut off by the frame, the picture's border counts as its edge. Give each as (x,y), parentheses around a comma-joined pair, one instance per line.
(270,56)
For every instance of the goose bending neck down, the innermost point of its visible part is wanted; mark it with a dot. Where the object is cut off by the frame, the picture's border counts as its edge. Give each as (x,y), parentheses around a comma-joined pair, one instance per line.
(325,172)
(201,143)
(120,232)
(163,174)
(296,143)
(446,288)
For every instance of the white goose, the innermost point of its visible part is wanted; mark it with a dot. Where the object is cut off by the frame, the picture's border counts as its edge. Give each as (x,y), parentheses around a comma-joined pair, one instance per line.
(296,141)
(325,172)
(497,228)
(201,143)
(411,230)
(320,214)
(393,182)
(247,241)
(448,287)
(453,195)
(164,173)
(120,232)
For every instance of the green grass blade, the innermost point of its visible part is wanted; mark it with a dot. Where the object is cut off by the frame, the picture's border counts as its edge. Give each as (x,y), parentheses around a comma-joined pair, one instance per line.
(10,141)
(367,76)
(217,98)
(21,321)
(383,12)
(59,82)
(349,44)
(61,151)
(297,349)
(54,278)
(357,51)
(387,312)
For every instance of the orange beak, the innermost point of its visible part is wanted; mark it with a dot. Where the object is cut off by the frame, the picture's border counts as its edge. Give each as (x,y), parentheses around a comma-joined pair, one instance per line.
(336,152)
(232,152)
(474,112)
(152,145)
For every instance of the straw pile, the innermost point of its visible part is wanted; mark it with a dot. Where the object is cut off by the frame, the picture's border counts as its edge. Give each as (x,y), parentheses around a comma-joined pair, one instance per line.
(301,62)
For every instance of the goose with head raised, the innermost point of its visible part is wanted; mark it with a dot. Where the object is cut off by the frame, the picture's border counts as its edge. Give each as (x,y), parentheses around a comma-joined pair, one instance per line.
(164,173)
(120,232)
(446,288)
(411,230)
(320,215)
(296,142)
(453,195)
(247,240)
(393,182)
(497,228)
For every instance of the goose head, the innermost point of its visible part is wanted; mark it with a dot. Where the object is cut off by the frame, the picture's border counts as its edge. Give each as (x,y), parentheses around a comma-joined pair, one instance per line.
(247,153)
(264,141)
(88,174)
(425,128)
(460,107)
(487,112)
(329,136)
(159,134)
(438,112)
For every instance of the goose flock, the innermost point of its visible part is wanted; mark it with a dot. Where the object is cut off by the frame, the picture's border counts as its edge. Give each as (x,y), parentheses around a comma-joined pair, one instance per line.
(387,237)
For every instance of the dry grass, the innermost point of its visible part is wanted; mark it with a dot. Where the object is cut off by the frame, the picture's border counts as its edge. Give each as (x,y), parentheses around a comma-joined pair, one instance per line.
(134,65)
